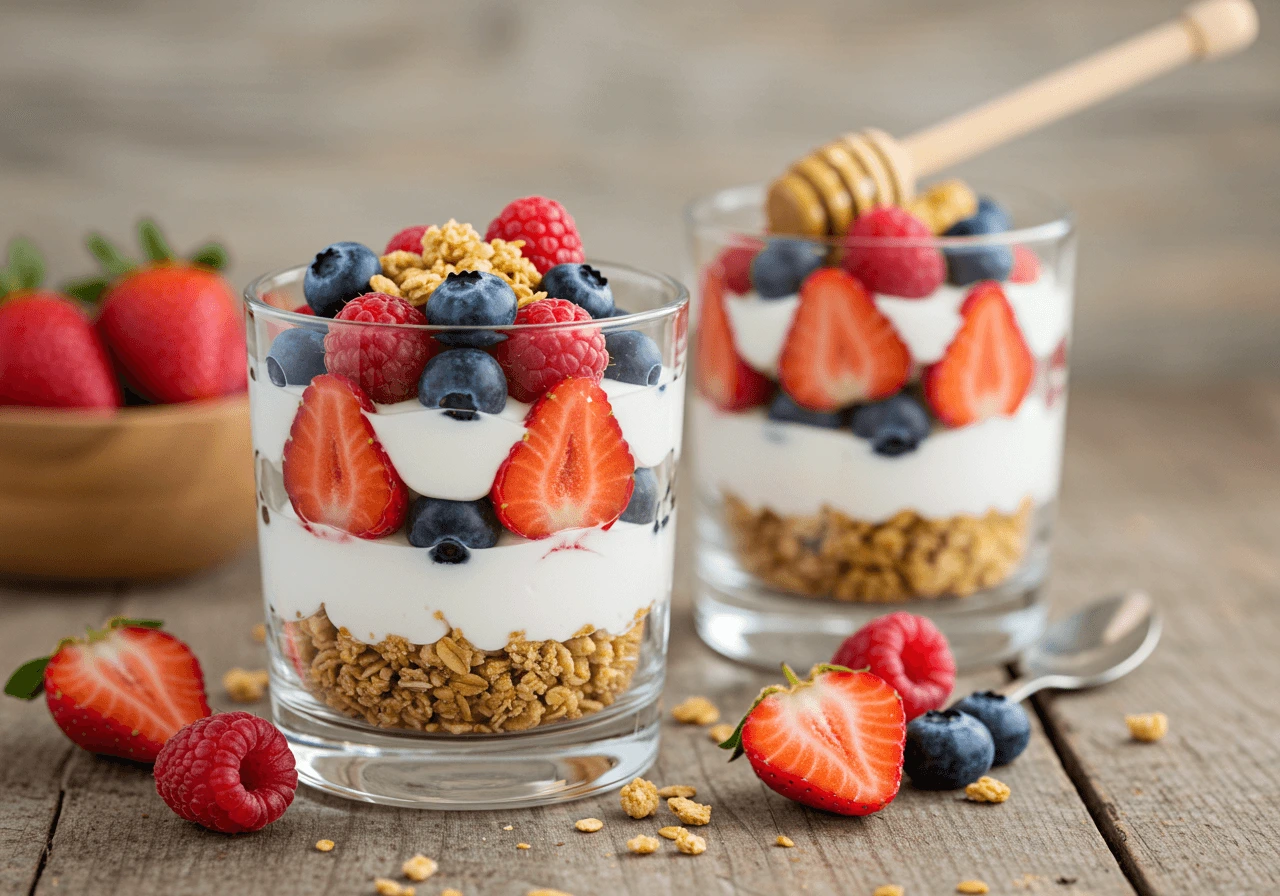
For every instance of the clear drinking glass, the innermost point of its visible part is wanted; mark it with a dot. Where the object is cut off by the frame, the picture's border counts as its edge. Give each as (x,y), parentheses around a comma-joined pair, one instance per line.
(806,530)
(523,673)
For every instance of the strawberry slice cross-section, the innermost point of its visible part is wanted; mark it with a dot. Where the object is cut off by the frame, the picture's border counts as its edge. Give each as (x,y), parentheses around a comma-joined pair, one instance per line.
(724,379)
(572,469)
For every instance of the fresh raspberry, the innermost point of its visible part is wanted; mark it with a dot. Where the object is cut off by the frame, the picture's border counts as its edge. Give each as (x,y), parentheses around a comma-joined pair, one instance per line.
(385,362)
(735,262)
(911,272)
(908,652)
(407,240)
(549,234)
(231,772)
(536,361)
(1026,266)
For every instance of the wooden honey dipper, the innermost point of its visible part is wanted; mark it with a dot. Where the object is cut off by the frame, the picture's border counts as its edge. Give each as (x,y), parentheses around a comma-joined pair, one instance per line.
(823,193)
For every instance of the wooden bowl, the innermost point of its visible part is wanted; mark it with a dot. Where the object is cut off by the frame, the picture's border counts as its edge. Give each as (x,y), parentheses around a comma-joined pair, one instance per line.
(138,493)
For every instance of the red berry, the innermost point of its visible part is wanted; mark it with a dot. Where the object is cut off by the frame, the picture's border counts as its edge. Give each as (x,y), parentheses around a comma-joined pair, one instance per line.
(385,362)
(1026,266)
(910,271)
(724,379)
(305,309)
(50,355)
(908,652)
(549,234)
(407,240)
(231,773)
(536,361)
(735,265)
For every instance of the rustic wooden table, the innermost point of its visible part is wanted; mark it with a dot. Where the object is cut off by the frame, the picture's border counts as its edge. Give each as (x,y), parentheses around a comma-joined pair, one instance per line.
(1171,490)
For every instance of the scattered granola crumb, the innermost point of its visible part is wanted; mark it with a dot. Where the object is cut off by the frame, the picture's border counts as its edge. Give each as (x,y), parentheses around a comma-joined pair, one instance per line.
(450,892)
(688,811)
(588,825)
(888,890)
(690,844)
(685,790)
(784,841)
(1148,727)
(523,846)
(324,845)
(643,844)
(245,685)
(543,893)
(987,790)
(1028,880)
(386,887)
(639,798)
(419,868)
(508,827)
(973,887)
(696,711)
(720,733)
(670,832)
(259,633)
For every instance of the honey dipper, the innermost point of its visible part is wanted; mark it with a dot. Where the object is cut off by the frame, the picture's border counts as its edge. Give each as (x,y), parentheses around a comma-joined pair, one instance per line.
(823,193)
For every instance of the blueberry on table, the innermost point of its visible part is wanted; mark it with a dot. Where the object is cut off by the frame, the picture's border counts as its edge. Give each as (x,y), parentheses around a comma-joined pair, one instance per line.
(472,299)
(895,425)
(452,529)
(633,358)
(1008,723)
(784,409)
(581,284)
(969,264)
(643,506)
(296,356)
(463,381)
(780,267)
(947,750)
(338,274)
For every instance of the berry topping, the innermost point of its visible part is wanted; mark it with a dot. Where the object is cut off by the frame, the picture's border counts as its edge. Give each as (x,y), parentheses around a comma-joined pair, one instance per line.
(909,271)
(335,471)
(50,355)
(122,691)
(384,361)
(581,284)
(840,350)
(536,360)
(549,234)
(1008,723)
(909,653)
(472,299)
(572,470)
(643,506)
(969,264)
(780,267)
(1026,266)
(464,381)
(724,379)
(832,742)
(338,274)
(230,773)
(452,529)
(987,369)
(633,358)
(296,357)
(735,267)
(407,240)
(784,410)
(896,425)
(947,750)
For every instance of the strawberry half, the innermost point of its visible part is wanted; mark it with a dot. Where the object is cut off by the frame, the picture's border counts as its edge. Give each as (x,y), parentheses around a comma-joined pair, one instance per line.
(335,472)
(724,379)
(572,469)
(834,741)
(840,350)
(987,369)
(122,691)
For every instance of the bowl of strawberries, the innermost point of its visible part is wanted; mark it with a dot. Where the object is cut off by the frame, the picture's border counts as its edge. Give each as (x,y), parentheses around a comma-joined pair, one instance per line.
(124,425)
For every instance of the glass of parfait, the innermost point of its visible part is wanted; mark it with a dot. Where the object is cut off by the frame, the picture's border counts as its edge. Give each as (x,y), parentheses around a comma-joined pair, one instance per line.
(467,532)
(878,421)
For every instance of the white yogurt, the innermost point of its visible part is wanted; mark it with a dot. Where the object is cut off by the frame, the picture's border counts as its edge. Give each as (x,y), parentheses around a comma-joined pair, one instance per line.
(271,412)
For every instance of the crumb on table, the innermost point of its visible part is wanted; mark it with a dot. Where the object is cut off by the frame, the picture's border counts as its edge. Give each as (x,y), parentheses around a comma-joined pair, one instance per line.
(888,890)
(639,798)
(1147,727)
(643,844)
(245,685)
(259,633)
(324,845)
(588,825)
(987,790)
(670,832)
(784,841)
(696,711)
(523,846)
(684,790)
(384,886)
(419,868)
(690,844)
(688,811)
(720,733)
(972,887)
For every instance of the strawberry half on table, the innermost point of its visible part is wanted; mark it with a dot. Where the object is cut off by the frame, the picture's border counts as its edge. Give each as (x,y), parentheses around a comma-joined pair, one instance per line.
(120,691)
(834,741)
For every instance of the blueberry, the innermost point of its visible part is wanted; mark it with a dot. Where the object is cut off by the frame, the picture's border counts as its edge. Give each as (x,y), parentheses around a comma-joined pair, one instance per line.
(581,284)
(947,750)
(337,275)
(472,299)
(780,267)
(464,380)
(633,358)
(969,264)
(1008,723)
(784,409)
(452,529)
(643,506)
(296,356)
(895,425)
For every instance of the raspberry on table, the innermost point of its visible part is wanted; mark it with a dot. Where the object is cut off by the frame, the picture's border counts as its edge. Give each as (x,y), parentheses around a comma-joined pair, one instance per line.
(231,772)
(908,271)
(385,362)
(536,361)
(549,233)
(909,653)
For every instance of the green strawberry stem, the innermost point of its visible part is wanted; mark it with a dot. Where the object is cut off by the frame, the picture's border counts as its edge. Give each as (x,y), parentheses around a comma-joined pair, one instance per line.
(24,268)
(153,242)
(27,681)
(89,290)
(115,264)
(108,255)
(211,255)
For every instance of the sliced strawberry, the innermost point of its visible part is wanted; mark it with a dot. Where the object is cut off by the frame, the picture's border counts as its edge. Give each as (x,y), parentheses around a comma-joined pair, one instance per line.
(335,472)
(840,350)
(1026,266)
(833,742)
(987,369)
(572,470)
(724,379)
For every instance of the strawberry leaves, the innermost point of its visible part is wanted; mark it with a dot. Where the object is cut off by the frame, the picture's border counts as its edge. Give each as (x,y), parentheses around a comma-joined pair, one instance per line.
(155,248)
(24,268)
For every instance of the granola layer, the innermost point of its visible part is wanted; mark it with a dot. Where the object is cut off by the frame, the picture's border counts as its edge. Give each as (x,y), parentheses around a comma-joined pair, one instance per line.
(830,554)
(450,686)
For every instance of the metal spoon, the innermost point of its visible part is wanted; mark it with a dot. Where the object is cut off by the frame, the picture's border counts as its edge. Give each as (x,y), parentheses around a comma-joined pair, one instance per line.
(1095,645)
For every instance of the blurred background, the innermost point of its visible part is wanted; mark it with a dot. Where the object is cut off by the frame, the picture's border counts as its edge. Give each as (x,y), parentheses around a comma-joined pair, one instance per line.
(283,126)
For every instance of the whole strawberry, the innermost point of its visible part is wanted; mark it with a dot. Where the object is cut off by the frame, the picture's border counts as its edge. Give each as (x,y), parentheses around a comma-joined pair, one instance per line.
(50,356)
(120,691)
(549,234)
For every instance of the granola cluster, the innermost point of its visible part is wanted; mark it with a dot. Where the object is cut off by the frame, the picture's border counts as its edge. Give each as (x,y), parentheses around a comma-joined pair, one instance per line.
(450,686)
(908,556)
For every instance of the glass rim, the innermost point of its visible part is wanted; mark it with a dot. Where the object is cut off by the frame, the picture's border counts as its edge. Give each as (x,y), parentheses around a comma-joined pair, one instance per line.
(699,214)
(257,287)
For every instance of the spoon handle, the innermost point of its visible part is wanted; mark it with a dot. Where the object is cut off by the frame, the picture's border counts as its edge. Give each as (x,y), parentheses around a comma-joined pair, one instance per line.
(1021,688)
